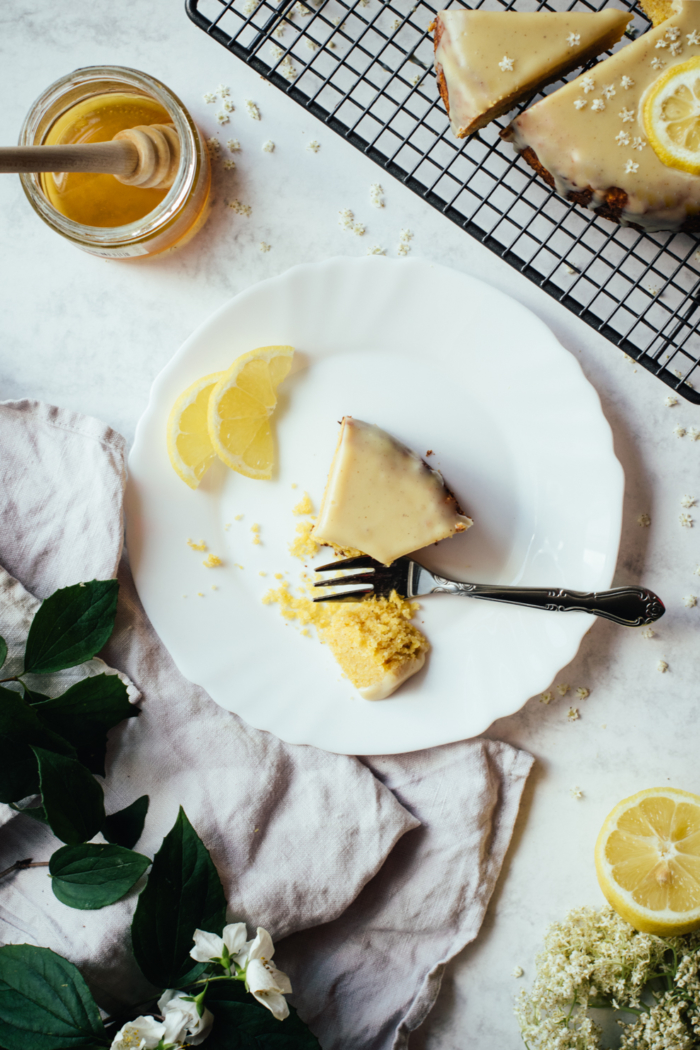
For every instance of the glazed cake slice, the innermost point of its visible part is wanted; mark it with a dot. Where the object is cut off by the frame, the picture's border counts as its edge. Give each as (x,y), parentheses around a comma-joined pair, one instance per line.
(382,499)
(487,61)
(588,140)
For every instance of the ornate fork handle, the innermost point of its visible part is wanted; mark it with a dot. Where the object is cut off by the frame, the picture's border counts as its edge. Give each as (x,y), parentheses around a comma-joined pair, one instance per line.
(629,606)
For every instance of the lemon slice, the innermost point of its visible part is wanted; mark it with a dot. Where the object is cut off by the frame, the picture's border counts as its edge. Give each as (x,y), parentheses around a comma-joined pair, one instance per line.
(240,408)
(648,861)
(189,445)
(672,116)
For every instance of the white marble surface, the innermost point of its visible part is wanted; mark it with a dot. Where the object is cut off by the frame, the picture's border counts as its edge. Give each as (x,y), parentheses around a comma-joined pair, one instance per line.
(91,335)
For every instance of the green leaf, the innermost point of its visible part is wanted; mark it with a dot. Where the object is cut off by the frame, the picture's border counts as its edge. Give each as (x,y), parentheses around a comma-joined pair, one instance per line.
(70,626)
(90,876)
(20,728)
(85,713)
(3,650)
(183,893)
(250,1026)
(33,698)
(44,1002)
(126,826)
(35,812)
(73,800)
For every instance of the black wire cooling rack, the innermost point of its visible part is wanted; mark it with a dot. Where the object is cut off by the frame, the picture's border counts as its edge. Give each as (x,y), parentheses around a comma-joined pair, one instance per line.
(365,68)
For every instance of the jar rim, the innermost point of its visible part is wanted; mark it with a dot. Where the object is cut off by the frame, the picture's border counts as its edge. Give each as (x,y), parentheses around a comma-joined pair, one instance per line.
(112,236)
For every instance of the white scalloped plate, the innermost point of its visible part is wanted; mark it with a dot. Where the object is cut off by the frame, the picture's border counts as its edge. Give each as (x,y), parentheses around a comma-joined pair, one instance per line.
(442,362)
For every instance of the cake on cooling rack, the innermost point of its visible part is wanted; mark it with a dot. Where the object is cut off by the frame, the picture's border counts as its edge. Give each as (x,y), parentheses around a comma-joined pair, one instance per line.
(624,138)
(382,499)
(487,61)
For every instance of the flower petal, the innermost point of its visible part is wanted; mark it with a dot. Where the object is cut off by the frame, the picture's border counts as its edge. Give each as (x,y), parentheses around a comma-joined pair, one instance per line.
(275,1003)
(262,947)
(235,937)
(207,946)
(147,1030)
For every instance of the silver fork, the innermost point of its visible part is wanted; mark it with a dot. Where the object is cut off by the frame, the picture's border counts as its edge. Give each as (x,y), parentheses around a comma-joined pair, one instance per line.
(629,606)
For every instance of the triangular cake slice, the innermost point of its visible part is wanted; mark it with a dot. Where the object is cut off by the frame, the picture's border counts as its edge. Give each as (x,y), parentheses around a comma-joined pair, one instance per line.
(487,61)
(589,140)
(382,499)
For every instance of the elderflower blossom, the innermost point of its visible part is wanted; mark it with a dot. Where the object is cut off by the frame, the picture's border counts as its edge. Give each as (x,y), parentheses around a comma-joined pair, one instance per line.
(594,957)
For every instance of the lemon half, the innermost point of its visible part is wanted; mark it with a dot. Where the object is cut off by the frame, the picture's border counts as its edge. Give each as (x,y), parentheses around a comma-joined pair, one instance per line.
(647,859)
(189,445)
(240,408)
(671,115)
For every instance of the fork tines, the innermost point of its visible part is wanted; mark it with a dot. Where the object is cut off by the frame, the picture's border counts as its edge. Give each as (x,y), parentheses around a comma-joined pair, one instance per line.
(363,561)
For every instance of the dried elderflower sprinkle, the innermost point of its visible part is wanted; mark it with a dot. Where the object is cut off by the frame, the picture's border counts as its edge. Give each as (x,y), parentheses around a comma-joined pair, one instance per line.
(694,433)
(214,144)
(630,168)
(313,146)
(234,145)
(240,209)
(288,70)
(268,147)
(376,195)
(648,633)
(546,698)
(228,105)
(644,520)
(609,91)
(210,96)
(563,688)
(573,714)
(662,666)
(626,116)
(622,138)
(229,165)
(579,103)
(311,44)
(688,501)
(345,219)
(223,90)
(506,64)
(657,63)
(576,792)
(223,118)
(252,109)
(686,521)
(573,39)
(263,246)
(588,84)
(518,971)
(679,431)
(693,38)
(626,82)
(597,105)
(670,401)
(582,692)
(690,601)
(376,250)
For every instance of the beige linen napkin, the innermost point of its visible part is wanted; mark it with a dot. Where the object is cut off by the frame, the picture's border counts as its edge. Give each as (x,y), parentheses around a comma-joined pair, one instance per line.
(300,837)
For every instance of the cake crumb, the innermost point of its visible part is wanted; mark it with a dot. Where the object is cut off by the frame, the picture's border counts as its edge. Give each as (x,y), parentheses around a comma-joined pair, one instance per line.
(200,594)
(294,485)
(262,574)
(644,520)
(212,561)
(304,506)
(279,575)
(255,529)
(662,666)
(214,587)
(264,246)
(197,546)
(304,546)
(238,517)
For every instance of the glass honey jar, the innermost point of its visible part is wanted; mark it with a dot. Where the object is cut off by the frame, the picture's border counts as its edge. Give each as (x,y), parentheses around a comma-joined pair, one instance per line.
(96,212)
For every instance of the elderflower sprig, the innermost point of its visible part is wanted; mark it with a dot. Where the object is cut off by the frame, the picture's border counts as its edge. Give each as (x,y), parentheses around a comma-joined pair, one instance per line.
(595,960)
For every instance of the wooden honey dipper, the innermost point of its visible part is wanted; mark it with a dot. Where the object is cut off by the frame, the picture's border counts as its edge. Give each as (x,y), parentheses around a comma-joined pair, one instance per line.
(147,156)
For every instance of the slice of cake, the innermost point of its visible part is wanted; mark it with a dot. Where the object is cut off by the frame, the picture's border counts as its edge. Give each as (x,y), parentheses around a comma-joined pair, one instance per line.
(487,61)
(593,141)
(382,499)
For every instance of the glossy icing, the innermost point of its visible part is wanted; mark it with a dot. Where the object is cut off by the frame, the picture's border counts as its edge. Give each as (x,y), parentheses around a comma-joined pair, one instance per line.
(382,499)
(489,58)
(590,134)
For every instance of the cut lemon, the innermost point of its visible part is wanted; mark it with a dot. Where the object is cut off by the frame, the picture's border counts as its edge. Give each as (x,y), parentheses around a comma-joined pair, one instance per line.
(189,445)
(672,116)
(647,859)
(240,408)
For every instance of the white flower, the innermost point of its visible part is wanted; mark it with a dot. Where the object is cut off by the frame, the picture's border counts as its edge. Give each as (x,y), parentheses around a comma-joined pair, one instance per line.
(693,38)
(587,83)
(209,946)
(506,64)
(579,103)
(142,1034)
(656,63)
(597,105)
(631,167)
(181,1018)
(609,91)
(690,601)
(638,143)
(626,82)
(622,138)
(573,39)
(264,981)
(688,501)
(626,115)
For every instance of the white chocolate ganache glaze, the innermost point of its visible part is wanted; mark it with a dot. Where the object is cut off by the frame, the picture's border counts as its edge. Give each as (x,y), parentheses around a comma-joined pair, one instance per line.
(382,499)
(589,141)
(487,60)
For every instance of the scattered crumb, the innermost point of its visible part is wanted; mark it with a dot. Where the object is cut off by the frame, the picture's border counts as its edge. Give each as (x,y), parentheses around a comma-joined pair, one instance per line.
(197,546)
(255,529)
(688,501)
(239,566)
(294,485)
(304,506)
(670,401)
(264,246)
(238,517)
(563,689)
(234,145)
(304,546)
(313,146)
(570,269)
(690,601)
(200,594)
(184,596)
(345,219)
(268,146)
(212,561)
(311,44)
(306,632)
(694,433)
(686,521)
(279,575)
(546,698)
(262,574)
(648,633)
(252,109)
(644,520)
(576,792)
(582,692)
(573,714)
(662,666)
(214,587)
(518,971)
(223,90)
